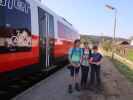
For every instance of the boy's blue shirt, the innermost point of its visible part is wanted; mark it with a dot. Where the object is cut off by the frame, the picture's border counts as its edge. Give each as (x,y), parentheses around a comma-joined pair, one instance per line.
(96,56)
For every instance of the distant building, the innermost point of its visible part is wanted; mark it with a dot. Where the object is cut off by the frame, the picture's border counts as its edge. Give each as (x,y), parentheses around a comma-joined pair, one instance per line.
(123,47)
(122,43)
(131,42)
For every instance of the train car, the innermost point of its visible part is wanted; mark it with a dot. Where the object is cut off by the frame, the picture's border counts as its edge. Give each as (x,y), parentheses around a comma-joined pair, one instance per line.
(31,34)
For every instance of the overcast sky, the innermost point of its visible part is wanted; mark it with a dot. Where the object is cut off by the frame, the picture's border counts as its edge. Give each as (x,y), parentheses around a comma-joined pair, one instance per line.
(90,16)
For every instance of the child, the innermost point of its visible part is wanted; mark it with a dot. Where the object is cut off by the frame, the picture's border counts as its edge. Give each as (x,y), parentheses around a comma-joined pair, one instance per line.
(96,59)
(85,66)
(74,57)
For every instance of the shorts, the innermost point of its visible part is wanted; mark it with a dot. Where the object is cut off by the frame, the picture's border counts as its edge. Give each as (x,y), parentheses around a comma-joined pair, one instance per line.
(74,70)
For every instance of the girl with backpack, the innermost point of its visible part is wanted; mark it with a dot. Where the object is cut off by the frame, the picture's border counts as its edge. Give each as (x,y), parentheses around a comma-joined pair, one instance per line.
(85,66)
(74,57)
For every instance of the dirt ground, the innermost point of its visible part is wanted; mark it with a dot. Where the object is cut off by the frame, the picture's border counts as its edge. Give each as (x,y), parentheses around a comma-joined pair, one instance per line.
(114,85)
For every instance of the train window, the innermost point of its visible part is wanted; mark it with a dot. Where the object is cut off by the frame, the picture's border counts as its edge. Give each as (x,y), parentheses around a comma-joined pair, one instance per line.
(42,22)
(67,32)
(15,26)
(50,22)
(51,26)
(60,29)
(64,31)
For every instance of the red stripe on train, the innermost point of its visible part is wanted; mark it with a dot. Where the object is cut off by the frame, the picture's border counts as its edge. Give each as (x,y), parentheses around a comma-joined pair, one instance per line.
(12,61)
(61,47)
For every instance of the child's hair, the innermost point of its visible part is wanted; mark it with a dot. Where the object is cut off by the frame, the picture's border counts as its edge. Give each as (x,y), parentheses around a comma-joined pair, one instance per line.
(95,47)
(76,41)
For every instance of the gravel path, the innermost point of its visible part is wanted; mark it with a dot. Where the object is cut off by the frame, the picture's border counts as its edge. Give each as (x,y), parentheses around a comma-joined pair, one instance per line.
(115,87)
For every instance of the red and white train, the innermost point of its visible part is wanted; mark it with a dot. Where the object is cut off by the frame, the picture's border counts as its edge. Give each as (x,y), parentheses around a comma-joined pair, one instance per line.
(31,34)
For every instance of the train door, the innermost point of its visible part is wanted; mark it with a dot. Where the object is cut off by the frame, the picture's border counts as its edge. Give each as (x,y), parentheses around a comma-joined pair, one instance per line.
(46,31)
(42,33)
(50,40)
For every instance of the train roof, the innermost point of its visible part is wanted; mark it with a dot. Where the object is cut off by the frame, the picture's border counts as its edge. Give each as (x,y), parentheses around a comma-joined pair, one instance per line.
(59,18)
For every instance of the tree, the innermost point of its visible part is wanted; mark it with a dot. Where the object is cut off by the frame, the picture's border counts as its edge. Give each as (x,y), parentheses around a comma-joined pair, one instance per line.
(107,45)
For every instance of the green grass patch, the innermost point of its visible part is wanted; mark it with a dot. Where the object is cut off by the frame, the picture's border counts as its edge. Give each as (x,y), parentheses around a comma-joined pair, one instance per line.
(124,69)
(130,55)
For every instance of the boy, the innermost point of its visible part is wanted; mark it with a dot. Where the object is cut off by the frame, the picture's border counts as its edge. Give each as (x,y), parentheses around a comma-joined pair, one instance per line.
(96,59)
(74,57)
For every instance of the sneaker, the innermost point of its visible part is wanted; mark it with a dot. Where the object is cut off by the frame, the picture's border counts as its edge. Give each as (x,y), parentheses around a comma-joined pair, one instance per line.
(77,88)
(70,89)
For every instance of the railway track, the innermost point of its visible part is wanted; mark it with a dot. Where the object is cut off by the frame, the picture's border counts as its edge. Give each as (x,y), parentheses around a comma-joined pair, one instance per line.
(16,86)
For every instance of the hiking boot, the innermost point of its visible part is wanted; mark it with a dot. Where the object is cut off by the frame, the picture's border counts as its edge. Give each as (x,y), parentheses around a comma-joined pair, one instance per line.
(77,88)
(70,89)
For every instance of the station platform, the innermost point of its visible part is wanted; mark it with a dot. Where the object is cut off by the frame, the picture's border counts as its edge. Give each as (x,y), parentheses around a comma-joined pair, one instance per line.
(115,87)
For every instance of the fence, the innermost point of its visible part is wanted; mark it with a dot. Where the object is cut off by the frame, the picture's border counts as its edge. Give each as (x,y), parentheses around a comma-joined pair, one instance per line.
(119,58)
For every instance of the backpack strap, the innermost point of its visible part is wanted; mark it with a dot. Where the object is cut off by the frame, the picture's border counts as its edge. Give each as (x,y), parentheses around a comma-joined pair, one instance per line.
(90,53)
(81,51)
(72,52)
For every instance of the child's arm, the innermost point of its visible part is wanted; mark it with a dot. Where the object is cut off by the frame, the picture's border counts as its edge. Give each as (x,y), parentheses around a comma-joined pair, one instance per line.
(91,60)
(101,60)
(99,63)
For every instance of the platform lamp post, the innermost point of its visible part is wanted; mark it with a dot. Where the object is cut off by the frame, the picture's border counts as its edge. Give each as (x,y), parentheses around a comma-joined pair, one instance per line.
(114,30)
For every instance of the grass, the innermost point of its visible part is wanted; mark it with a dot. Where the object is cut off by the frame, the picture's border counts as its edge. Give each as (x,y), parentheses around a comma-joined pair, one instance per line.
(130,55)
(124,69)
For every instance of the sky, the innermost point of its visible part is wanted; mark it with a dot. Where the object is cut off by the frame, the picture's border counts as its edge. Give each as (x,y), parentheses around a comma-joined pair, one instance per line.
(93,18)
